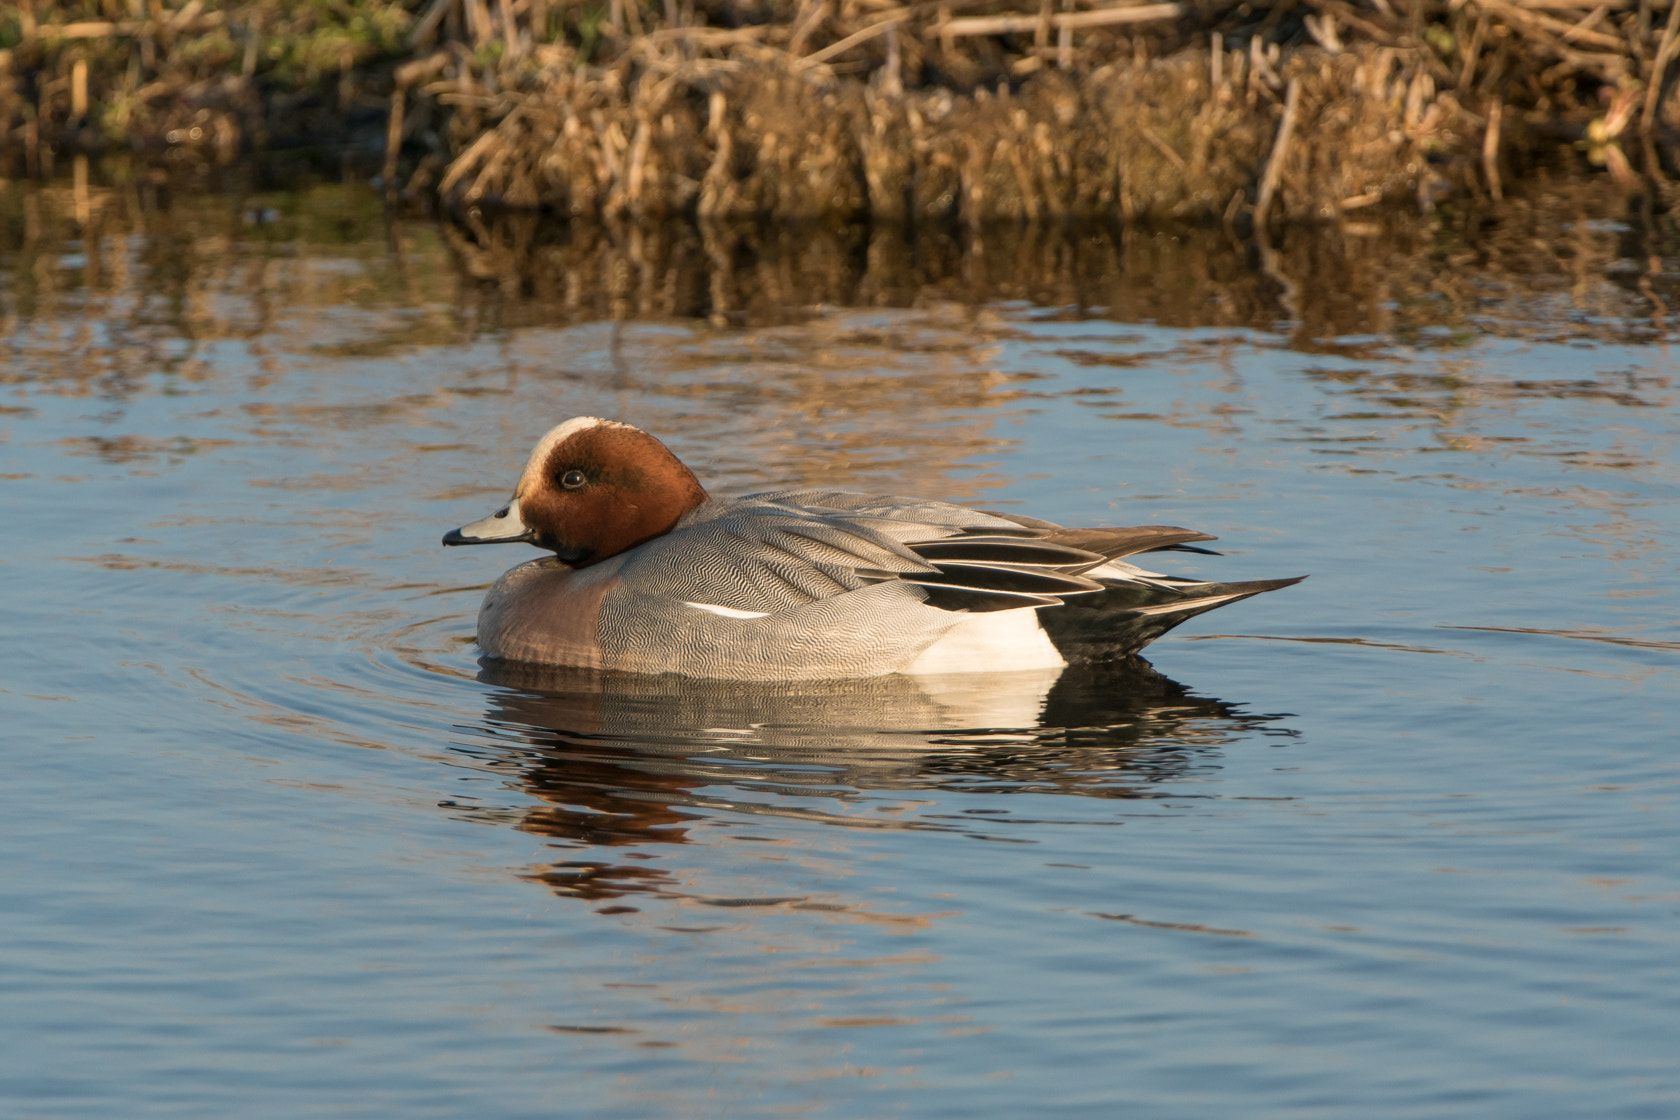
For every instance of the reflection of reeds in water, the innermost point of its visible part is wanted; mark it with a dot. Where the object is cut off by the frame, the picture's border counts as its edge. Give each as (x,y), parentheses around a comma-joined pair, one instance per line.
(1546,251)
(148,281)
(119,292)
(223,267)
(626,761)
(110,291)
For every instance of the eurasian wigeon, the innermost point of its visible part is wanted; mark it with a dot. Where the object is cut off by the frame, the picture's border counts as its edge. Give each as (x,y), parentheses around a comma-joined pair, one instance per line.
(650,574)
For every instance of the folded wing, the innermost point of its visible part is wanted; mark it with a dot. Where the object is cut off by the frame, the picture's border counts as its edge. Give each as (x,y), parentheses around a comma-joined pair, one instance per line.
(784,550)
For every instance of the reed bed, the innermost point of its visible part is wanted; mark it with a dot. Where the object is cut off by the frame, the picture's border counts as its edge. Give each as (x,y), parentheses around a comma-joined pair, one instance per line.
(971,111)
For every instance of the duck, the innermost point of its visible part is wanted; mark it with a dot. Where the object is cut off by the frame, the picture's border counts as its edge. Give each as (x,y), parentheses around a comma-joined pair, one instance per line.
(648,573)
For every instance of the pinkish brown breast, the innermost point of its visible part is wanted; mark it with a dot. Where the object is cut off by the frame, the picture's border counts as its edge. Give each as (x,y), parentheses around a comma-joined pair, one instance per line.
(544,611)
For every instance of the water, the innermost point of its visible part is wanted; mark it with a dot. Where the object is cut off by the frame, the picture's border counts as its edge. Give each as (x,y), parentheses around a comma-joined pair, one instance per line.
(1397,842)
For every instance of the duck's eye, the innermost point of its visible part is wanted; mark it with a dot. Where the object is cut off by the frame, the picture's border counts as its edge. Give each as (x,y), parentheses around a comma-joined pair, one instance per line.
(571,480)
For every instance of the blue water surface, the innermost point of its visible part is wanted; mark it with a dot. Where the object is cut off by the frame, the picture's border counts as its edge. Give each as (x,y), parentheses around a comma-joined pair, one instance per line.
(1398,842)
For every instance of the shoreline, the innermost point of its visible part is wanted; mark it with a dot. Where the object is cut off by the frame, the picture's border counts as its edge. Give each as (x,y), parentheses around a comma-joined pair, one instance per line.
(843,109)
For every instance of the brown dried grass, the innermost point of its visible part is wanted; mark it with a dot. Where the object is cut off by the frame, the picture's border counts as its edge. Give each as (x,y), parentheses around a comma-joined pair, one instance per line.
(974,110)
(1157,141)
(859,110)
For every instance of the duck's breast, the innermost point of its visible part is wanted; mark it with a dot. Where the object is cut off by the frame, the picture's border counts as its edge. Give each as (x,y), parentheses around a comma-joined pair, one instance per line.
(545,611)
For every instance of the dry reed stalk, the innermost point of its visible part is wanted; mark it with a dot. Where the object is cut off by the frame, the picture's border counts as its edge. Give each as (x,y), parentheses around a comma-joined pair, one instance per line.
(428,22)
(393,139)
(1163,147)
(78,91)
(1546,32)
(1659,68)
(1490,151)
(1110,17)
(1274,164)
(514,46)
(834,50)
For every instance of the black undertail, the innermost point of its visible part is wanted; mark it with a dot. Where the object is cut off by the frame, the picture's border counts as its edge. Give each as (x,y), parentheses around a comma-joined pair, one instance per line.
(1125,617)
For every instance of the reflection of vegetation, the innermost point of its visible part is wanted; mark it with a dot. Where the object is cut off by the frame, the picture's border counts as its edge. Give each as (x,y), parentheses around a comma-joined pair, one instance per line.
(224,266)
(163,279)
(1544,269)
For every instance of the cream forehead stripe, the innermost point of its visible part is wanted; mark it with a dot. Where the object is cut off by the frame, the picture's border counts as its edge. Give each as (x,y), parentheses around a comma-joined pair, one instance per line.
(556,436)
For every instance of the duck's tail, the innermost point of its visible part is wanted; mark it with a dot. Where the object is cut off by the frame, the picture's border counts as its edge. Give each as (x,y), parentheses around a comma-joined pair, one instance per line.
(1129,614)
(1095,604)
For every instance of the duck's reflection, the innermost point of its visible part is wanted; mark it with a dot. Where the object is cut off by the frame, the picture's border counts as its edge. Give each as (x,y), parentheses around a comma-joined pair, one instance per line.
(621,761)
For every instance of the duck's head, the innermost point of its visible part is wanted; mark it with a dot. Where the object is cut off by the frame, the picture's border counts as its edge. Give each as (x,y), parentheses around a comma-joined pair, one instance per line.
(592,488)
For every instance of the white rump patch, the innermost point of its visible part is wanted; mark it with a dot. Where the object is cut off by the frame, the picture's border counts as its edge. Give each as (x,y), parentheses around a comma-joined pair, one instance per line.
(990,642)
(726,612)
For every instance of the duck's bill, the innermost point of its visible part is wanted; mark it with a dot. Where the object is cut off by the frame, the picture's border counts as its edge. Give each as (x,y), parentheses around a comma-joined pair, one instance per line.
(502,527)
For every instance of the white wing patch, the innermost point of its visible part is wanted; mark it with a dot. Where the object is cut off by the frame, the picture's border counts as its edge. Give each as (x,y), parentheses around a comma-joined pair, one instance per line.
(726,612)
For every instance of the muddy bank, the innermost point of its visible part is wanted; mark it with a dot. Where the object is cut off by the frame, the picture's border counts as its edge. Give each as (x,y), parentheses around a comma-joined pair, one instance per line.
(957,111)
